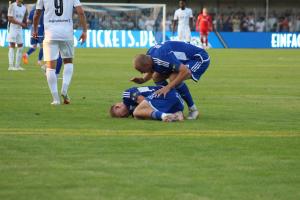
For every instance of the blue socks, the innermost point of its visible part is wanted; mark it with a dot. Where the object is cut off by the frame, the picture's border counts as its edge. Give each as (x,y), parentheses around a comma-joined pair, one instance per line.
(184,92)
(58,65)
(30,51)
(156,115)
(41,53)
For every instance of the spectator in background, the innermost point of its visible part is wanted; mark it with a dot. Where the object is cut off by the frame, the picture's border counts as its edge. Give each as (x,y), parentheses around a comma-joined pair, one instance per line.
(227,26)
(297,26)
(3,20)
(251,23)
(142,22)
(260,25)
(218,23)
(244,24)
(236,24)
(149,24)
(184,18)
(272,23)
(204,26)
(284,25)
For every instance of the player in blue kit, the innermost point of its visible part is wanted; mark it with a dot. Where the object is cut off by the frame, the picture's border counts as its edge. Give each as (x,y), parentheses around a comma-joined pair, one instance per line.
(142,103)
(39,41)
(176,61)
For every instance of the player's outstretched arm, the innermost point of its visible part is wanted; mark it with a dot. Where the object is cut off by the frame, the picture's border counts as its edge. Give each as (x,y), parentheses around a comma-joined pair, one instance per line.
(83,23)
(144,79)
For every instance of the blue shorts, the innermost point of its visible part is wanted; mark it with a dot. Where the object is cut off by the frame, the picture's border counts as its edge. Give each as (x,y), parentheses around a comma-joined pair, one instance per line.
(198,66)
(39,40)
(170,104)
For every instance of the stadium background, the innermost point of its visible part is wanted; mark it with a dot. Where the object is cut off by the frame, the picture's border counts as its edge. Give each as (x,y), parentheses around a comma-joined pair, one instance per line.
(236,21)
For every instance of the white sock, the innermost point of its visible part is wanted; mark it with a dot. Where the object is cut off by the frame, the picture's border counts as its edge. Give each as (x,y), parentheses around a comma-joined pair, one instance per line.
(52,83)
(67,76)
(11,56)
(19,56)
(163,115)
(193,108)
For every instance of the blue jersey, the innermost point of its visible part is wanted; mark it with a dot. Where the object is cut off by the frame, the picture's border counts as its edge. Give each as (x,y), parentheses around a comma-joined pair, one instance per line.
(41,22)
(170,104)
(130,95)
(168,56)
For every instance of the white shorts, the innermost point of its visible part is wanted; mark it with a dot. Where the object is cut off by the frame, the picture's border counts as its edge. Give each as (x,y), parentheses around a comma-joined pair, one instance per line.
(15,36)
(184,34)
(52,49)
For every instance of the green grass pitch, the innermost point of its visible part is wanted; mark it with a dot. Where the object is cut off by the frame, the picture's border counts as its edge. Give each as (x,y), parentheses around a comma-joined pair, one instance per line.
(246,144)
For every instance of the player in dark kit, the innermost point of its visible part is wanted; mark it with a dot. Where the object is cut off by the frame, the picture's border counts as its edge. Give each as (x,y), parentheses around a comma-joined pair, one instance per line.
(175,61)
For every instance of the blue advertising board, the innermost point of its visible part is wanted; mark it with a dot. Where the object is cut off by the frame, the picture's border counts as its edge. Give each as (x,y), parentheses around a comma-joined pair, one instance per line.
(118,39)
(261,40)
(146,39)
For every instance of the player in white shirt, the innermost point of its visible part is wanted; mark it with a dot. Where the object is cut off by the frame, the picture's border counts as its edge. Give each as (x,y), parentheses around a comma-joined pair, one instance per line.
(184,18)
(58,22)
(17,20)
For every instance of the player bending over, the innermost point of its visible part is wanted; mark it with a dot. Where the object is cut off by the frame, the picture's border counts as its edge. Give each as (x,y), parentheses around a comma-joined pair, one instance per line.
(143,103)
(176,61)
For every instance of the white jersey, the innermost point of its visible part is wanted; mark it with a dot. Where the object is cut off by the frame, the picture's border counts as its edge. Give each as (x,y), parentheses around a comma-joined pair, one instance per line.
(18,13)
(58,18)
(183,17)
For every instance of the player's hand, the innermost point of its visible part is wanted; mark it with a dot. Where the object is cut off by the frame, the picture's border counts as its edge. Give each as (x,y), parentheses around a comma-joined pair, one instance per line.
(162,91)
(83,37)
(138,80)
(35,35)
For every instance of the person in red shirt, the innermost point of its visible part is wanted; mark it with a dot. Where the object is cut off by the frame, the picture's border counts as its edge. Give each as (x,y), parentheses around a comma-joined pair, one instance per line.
(204,26)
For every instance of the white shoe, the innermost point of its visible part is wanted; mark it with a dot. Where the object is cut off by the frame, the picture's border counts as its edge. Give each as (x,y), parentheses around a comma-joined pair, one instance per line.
(12,68)
(43,69)
(39,62)
(178,116)
(55,103)
(19,68)
(193,114)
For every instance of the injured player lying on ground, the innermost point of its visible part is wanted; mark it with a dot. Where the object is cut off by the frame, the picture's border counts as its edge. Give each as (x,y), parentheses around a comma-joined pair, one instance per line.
(143,103)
